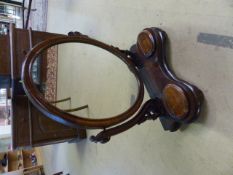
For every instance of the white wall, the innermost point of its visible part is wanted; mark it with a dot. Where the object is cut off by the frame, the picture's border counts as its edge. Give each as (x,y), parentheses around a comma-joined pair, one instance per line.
(203,148)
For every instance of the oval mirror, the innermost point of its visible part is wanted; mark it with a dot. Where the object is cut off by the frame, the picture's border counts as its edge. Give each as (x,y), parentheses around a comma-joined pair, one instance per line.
(83,80)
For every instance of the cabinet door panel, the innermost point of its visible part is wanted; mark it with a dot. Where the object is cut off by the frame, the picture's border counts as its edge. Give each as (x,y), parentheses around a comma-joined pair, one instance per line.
(45,130)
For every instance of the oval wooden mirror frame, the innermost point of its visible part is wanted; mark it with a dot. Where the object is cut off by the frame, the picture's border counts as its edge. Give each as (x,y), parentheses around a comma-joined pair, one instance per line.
(66,118)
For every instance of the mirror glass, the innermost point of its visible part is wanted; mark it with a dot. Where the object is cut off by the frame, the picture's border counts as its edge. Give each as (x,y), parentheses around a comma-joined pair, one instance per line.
(84,80)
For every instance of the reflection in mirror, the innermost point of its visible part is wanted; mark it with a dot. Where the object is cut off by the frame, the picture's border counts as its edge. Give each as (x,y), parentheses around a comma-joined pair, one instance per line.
(5,120)
(84,80)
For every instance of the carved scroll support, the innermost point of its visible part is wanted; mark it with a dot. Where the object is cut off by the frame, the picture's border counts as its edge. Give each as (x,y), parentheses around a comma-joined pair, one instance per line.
(151,110)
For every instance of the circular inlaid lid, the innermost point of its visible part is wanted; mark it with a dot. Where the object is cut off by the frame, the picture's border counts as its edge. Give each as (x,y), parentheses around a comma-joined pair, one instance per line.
(175,101)
(146,43)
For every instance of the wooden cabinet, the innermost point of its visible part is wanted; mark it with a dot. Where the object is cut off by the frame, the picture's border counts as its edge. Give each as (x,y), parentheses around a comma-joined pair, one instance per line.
(29,126)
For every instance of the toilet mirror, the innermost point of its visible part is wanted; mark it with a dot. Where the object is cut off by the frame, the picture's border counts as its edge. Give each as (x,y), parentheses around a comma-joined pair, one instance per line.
(91,85)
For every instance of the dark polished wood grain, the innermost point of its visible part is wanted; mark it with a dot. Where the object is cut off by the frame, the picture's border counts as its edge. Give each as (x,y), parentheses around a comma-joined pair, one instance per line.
(5,53)
(181,99)
(5,69)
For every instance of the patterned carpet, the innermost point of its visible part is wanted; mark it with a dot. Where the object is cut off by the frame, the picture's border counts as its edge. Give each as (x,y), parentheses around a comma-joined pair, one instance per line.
(51,83)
